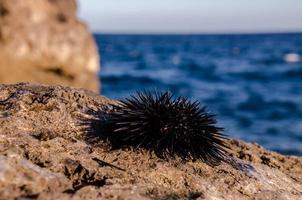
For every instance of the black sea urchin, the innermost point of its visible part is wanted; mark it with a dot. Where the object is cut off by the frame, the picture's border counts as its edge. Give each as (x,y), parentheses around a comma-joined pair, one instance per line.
(167,126)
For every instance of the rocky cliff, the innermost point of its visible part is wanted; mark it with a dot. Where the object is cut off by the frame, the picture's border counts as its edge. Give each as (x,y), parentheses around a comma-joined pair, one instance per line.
(44,155)
(43,41)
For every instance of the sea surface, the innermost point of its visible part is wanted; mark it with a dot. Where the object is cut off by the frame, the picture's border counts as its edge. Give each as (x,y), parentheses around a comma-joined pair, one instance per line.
(252,82)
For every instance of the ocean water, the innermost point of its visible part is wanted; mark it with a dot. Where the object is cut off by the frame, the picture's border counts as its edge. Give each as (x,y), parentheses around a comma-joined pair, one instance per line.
(252,82)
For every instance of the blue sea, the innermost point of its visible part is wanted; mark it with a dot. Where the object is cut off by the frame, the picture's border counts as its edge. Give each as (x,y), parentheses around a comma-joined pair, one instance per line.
(252,82)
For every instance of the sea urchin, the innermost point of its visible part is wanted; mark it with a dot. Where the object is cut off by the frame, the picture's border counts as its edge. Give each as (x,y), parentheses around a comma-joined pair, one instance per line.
(167,126)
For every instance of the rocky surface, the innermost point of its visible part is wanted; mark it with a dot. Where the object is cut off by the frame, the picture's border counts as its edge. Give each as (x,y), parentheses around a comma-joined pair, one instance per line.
(43,155)
(43,41)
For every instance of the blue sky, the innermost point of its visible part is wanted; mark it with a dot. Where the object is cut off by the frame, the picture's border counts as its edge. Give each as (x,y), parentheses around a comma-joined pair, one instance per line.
(191,16)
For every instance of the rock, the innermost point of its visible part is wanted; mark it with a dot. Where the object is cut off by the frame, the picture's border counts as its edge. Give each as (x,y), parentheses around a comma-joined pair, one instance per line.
(44,154)
(43,41)
(21,176)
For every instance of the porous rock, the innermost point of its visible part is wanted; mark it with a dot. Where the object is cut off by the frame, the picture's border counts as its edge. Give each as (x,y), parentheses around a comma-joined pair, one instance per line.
(43,41)
(44,155)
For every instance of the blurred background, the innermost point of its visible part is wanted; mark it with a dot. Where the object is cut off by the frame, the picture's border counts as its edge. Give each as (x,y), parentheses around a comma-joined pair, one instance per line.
(243,59)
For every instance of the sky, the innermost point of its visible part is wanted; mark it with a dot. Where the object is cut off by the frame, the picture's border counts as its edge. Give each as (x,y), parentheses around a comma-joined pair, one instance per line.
(191,16)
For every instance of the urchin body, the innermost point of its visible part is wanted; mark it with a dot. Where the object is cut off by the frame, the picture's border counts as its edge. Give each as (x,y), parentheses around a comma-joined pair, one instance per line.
(167,126)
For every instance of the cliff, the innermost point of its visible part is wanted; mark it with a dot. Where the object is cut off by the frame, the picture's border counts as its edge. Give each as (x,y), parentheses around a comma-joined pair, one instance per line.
(44,155)
(44,42)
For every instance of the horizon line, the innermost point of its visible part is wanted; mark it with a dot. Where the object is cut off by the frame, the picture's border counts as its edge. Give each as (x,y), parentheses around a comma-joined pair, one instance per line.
(193,33)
